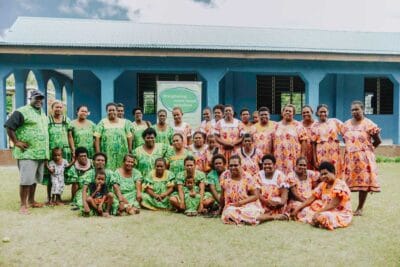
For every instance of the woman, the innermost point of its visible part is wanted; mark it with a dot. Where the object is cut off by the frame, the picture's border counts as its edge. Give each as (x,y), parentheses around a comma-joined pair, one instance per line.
(181,127)
(274,190)
(325,139)
(158,185)
(199,149)
(83,130)
(147,153)
(301,183)
(240,202)
(60,135)
(228,131)
(113,137)
(361,137)
(264,131)
(177,154)
(308,123)
(138,126)
(190,172)
(206,125)
(250,156)
(130,184)
(218,164)
(213,148)
(75,175)
(163,130)
(289,140)
(329,206)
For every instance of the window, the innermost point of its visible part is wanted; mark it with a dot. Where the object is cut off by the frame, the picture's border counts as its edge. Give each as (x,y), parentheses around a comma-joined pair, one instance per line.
(275,92)
(378,96)
(147,88)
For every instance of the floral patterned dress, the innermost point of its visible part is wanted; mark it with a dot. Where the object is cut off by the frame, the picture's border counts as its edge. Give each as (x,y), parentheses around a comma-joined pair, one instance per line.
(145,161)
(250,162)
(113,140)
(287,140)
(201,157)
(228,132)
(360,169)
(159,186)
(185,130)
(127,185)
(237,190)
(83,135)
(309,147)
(303,187)
(137,131)
(164,136)
(271,190)
(325,135)
(176,162)
(263,137)
(340,216)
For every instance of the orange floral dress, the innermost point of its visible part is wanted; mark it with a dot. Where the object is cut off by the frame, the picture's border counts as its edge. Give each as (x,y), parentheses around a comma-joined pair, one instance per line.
(304,188)
(263,137)
(200,156)
(250,162)
(206,127)
(287,140)
(340,216)
(249,128)
(309,149)
(229,132)
(325,135)
(271,190)
(183,129)
(360,169)
(237,190)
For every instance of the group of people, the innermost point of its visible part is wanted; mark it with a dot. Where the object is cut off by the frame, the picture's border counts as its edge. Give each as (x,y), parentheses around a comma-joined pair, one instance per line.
(247,171)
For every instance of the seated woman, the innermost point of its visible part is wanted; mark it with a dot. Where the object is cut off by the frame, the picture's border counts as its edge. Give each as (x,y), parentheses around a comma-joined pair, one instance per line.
(218,164)
(301,183)
(250,155)
(177,154)
(130,184)
(178,200)
(199,149)
(240,202)
(158,185)
(329,205)
(274,190)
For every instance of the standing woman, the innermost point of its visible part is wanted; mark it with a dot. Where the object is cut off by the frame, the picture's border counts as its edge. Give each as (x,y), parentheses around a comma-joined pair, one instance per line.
(199,150)
(113,137)
(163,130)
(138,127)
(308,123)
(361,137)
(181,127)
(250,156)
(206,126)
(289,140)
(325,138)
(83,130)
(177,154)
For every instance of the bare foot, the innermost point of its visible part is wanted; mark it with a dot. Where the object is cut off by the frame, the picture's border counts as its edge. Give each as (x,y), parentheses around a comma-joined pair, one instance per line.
(24,211)
(58,203)
(106,215)
(281,217)
(358,212)
(36,205)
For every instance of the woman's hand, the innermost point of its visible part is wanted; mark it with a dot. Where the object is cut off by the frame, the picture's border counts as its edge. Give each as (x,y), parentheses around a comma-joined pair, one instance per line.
(139,197)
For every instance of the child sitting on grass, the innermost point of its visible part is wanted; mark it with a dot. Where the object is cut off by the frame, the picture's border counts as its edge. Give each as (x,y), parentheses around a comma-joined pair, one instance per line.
(56,169)
(98,195)
(192,197)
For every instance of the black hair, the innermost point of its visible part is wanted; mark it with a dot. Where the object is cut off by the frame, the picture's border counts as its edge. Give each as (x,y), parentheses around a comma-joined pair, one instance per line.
(81,150)
(326,165)
(100,154)
(149,131)
(270,157)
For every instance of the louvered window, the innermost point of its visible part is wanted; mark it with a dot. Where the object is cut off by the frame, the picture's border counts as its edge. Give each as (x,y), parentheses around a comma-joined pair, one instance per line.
(275,92)
(147,88)
(378,96)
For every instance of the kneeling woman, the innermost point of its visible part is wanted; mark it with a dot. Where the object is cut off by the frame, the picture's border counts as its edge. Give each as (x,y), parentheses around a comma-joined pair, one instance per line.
(158,185)
(130,183)
(274,190)
(239,195)
(329,206)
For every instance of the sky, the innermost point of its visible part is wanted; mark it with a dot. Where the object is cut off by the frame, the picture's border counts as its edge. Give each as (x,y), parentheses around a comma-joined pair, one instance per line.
(349,15)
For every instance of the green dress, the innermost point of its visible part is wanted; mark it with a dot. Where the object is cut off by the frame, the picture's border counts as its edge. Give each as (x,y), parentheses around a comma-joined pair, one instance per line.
(128,186)
(58,136)
(199,177)
(83,136)
(176,163)
(159,186)
(137,131)
(89,177)
(114,140)
(145,161)
(213,179)
(191,203)
(165,136)
(74,175)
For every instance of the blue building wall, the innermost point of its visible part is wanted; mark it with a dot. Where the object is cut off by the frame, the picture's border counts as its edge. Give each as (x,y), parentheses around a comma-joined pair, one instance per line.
(100,79)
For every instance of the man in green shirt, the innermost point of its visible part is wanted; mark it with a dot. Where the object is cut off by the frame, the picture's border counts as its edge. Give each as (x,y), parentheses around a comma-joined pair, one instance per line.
(27,129)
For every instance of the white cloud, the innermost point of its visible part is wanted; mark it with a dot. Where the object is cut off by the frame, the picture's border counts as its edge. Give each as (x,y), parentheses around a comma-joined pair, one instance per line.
(77,7)
(361,15)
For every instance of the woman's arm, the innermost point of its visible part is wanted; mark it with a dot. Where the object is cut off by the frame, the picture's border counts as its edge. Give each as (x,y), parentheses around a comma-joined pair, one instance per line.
(214,192)
(296,194)
(254,195)
(71,143)
(376,140)
(97,144)
(139,191)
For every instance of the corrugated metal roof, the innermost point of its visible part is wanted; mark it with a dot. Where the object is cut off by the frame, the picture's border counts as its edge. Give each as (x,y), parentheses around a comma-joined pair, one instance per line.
(87,33)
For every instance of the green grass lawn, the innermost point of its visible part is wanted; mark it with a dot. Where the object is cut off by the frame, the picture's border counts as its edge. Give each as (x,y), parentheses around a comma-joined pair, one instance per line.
(59,237)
